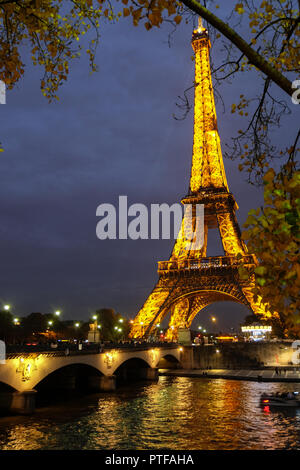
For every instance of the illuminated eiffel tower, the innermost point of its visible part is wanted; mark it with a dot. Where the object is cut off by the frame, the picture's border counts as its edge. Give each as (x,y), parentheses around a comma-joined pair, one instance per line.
(189,281)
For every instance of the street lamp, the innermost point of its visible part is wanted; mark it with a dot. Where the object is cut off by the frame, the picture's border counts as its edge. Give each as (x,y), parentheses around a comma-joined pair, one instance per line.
(77,325)
(199,327)
(6,307)
(57,313)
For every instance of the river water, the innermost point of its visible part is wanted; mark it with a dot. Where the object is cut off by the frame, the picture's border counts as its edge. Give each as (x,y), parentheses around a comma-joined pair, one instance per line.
(175,413)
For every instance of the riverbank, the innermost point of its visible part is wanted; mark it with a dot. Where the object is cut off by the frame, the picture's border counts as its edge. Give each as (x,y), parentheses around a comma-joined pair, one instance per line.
(258,375)
(240,356)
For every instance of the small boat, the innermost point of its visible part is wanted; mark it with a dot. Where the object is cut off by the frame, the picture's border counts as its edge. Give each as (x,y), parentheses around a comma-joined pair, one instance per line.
(289,399)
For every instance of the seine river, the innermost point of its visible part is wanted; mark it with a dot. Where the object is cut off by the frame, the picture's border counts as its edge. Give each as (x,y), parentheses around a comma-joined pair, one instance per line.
(174,413)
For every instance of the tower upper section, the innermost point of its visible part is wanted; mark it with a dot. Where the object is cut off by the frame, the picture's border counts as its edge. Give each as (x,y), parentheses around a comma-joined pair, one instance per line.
(207,165)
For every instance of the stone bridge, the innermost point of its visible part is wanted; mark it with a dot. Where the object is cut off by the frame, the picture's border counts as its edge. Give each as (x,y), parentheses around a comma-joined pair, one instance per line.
(25,373)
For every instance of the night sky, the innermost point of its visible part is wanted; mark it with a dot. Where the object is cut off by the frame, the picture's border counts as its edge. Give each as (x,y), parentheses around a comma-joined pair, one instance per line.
(112,133)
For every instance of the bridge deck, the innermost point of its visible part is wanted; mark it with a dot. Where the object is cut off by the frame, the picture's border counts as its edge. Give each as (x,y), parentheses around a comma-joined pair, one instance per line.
(15,351)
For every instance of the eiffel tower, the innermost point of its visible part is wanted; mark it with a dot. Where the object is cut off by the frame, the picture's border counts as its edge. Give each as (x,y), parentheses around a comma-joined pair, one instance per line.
(189,280)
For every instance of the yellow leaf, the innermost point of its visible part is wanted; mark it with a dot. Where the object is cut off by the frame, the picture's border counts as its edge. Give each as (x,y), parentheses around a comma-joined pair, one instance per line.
(239,7)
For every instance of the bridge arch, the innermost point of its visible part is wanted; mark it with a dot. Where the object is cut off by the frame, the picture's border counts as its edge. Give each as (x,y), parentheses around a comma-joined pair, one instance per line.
(132,370)
(168,361)
(25,371)
(6,387)
(77,375)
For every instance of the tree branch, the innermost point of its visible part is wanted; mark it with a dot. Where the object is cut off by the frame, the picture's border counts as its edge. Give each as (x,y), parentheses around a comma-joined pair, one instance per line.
(254,58)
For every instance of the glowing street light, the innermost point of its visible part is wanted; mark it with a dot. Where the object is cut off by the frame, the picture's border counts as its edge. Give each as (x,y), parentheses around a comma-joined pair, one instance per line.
(6,307)
(94,317)
(16,321)
(213,319)
(199,327)
(77,325)
(121,320)
(57,313)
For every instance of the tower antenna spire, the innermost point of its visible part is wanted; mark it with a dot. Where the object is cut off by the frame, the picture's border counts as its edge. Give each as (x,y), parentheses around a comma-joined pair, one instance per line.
(201,28)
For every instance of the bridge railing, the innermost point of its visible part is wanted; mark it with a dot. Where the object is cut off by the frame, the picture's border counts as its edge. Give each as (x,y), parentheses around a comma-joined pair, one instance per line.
(72,350)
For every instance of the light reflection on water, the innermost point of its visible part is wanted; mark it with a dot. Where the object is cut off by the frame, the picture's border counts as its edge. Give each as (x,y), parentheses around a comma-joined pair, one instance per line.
(175,413)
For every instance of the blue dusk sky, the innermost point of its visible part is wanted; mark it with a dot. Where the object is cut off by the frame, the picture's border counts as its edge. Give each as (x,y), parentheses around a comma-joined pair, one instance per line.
(112,133)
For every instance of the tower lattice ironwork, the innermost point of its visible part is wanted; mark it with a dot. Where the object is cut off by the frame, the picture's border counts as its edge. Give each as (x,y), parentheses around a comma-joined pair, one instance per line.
(189,280)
